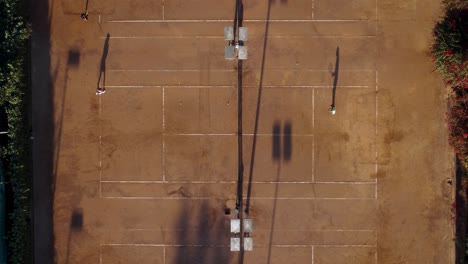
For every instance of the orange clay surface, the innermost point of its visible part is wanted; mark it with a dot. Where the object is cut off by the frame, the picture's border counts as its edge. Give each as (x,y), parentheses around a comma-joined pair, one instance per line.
(143,173)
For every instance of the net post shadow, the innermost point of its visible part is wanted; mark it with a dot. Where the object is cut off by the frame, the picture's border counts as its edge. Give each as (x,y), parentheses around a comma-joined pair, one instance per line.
(240,179)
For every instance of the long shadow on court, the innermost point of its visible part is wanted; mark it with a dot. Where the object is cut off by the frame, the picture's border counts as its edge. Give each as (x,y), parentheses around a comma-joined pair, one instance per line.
(257,112)
(335,76)
(42,116)
(281,153)
(76,225)
(202,235)
(101,83)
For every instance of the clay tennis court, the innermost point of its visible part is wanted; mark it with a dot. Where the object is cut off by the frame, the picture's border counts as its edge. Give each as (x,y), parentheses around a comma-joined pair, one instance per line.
(145,173)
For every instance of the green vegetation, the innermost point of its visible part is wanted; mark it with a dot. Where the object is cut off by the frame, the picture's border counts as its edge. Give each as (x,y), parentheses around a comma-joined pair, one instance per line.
(14,101)
(450,55)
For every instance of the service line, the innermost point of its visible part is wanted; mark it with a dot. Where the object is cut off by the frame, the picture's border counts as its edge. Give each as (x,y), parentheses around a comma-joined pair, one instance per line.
(163,136)
(217,37)
(231,86)
(230,20)
(312,251)
(214,197)
(228,70)
(313,139)
(225,245)
(231,182)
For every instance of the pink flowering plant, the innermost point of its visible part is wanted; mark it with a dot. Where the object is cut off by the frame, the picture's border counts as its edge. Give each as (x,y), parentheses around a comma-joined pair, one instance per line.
(450,55)
(449,49)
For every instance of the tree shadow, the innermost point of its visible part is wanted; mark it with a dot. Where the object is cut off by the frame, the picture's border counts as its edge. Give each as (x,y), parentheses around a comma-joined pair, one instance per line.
(459,212)
(201,241)
(74,58)
(42,113)
(335,76)
(276,137)
(76,225)
(102,69)
(73,61)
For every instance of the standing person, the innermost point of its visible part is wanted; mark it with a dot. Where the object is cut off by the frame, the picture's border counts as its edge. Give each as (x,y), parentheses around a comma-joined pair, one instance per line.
(101,86)
(332,109)
(84,16)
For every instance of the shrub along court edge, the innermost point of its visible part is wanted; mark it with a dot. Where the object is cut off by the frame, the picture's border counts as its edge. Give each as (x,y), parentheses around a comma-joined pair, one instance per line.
(14,86)
(450,54)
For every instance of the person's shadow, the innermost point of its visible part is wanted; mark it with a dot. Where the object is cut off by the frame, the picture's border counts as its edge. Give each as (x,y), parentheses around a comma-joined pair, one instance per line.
(102,73)
(335,76)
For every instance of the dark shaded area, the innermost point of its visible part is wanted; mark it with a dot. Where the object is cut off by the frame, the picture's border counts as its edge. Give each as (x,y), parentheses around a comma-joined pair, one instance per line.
(287,141)
(257,112)
(57,142)
(240,171)
(335,75)
(455,22)
(460,212)
(43,128)
(76,225)
(73,58)
(276,137)
(198,240)
(3,126)
(102,72)
(76,222)
(273,214)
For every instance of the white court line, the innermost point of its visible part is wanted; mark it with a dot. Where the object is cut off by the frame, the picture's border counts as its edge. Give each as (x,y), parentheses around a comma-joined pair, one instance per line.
(202,134)
(234,134)
(348,182)
(312,251)
(158,245)
(217,37)
(229,70)
(164,254)
(376,11)
(163,136)
(222,245)
(318,230)
(257,229)
(168,86)
(100,147)
(345,246)
(376,131)
(168,70)
(313,9)
(214,197)
(232,182)
(313,139)
(376,147)
(230,20)
(245,86)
